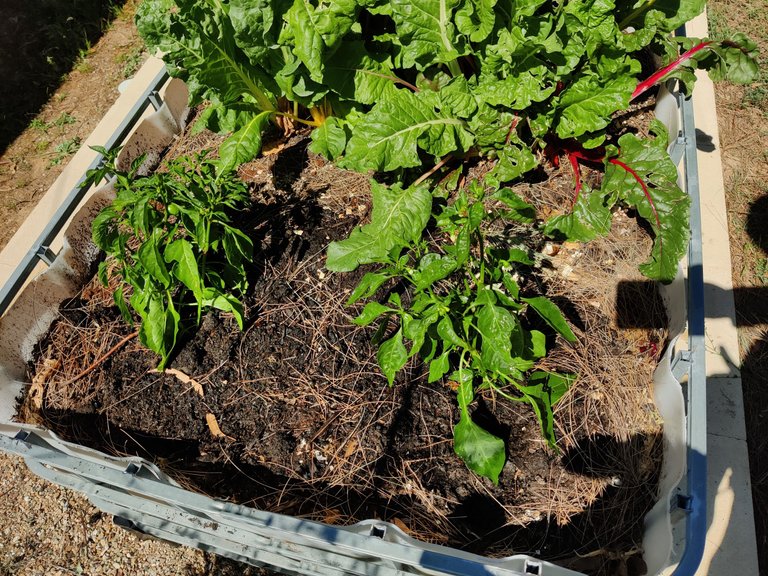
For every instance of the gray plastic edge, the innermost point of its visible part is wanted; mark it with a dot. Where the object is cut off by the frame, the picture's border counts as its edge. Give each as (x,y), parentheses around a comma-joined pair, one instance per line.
(39,249)
(694,502)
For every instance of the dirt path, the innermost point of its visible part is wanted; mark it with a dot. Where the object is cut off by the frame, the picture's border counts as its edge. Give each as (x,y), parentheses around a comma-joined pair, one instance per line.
(37,156)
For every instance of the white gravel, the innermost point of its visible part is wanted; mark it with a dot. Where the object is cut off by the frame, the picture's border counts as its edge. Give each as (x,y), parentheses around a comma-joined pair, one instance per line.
(51,531)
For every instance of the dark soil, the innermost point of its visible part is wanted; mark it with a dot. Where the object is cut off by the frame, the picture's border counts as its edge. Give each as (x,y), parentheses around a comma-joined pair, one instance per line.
(292,414)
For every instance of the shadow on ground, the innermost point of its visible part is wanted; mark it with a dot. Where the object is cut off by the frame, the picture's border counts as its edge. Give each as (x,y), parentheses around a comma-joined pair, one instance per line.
(752,320)
(751,311)
(40,42)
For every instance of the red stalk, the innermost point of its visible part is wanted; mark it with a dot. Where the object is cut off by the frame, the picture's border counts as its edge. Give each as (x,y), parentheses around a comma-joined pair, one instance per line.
(659,75)
(574,160)
(512,127)
(636,176)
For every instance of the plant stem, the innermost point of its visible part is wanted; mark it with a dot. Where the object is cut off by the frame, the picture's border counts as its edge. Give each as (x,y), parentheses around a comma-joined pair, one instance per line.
(659,75)
(432,170)
(297,119)
(637,12)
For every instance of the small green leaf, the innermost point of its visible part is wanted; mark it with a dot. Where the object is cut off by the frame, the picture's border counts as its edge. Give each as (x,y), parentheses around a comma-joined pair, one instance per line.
(511,285)
(104,229)
(119,298)
(244,144)
(432,268)
(371,311)
(329,139)
(519,209)
(392,356)
(367,287)
(481,451)
(496,325)
(237,246)
(587,104)
(224,302)
(439,366)
(551,314)
(538,344)
(447,333)
(150,258)
(185,268)
(159,327)
(103,273)
(543,391)
(399,217)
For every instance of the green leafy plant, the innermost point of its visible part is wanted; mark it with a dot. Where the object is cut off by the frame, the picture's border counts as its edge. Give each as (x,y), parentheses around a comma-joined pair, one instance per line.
(463,312)
(398,86)
(171,242)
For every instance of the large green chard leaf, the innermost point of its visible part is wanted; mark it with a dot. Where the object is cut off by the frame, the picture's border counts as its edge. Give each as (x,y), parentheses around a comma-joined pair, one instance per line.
(427,33)
(587,105)
(311,30)
(734,60)
(199,45)
(244,144)
(257,25)
(355,74)
(515,71)
(399,217)
(390,135)
(590,23)
(668,206)
(153,21)
(589,218)
(665,15)
(475,19)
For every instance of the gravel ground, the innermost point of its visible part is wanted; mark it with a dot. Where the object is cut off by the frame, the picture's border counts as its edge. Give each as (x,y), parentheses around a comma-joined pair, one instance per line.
(49,530)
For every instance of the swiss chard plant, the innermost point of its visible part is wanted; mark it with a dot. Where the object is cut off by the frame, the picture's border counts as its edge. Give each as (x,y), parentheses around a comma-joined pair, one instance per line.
(171,244)
(403,85)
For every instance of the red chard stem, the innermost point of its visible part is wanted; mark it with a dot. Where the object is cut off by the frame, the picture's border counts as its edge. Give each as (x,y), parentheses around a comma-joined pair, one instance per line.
(636,176)
(659,75)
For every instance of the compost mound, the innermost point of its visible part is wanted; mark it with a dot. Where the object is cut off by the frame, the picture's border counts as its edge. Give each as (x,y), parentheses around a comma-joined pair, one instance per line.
(292,414)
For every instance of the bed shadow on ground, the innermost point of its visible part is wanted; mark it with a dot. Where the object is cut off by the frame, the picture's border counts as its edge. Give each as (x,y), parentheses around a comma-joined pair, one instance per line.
(40,42)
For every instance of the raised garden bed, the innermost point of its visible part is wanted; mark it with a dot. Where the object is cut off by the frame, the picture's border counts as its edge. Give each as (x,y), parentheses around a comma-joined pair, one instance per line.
(293,416)
(304,423)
